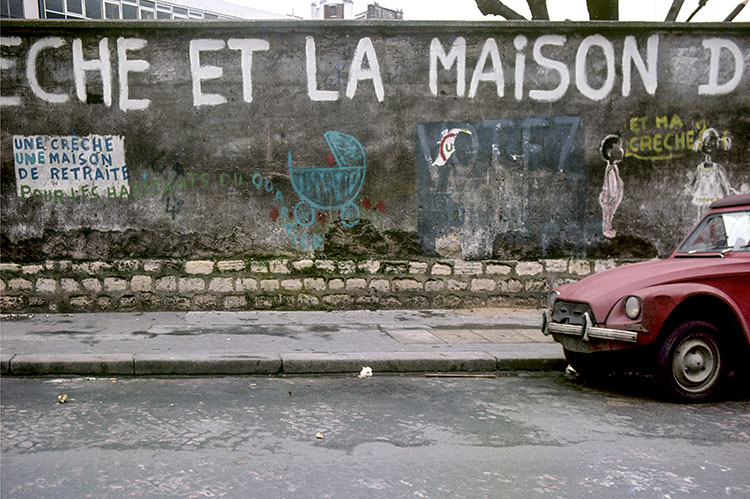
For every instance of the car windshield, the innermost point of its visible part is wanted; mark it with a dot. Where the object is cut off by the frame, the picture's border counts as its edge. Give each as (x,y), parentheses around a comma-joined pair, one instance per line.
(720,233)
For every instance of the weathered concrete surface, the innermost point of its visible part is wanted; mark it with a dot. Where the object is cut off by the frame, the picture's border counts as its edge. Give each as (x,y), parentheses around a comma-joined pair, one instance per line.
(477,140)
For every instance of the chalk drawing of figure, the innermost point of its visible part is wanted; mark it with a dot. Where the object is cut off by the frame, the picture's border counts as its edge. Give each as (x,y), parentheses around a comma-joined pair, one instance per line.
(613,188)
(709,181)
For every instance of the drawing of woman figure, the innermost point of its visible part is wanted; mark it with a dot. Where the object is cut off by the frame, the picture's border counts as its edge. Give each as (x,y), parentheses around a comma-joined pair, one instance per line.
(709,181)
(613,188)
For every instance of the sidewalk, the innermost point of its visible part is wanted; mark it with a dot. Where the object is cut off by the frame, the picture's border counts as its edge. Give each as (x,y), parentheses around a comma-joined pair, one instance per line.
(234,343)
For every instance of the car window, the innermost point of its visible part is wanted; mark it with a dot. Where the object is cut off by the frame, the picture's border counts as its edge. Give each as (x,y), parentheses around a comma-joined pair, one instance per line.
(720,232)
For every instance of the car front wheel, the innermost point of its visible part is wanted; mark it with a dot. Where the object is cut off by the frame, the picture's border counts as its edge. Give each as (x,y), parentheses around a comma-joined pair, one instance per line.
(691,362)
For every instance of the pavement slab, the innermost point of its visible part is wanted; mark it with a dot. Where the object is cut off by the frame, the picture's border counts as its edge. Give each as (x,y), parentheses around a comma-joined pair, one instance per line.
(275,343)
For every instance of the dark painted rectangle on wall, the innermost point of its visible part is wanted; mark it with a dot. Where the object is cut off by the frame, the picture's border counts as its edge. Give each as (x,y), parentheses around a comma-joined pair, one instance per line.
(487,189)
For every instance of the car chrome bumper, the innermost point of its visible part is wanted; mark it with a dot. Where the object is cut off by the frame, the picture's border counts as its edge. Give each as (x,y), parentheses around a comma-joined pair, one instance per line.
(587,330)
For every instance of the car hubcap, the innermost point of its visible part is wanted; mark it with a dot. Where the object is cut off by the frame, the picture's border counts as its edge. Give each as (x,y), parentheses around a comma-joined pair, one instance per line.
(696,363)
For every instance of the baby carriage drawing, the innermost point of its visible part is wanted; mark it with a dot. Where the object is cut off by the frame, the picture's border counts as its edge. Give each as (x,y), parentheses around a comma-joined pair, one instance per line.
(332,187)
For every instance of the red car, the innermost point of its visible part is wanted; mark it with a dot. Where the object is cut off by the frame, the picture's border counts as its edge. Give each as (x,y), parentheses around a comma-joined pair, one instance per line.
(686,317)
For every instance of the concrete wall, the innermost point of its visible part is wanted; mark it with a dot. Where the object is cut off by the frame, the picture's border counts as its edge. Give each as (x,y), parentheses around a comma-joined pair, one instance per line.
(337,140)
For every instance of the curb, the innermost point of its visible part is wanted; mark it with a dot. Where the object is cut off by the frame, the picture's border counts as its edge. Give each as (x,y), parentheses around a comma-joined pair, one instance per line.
(289,363)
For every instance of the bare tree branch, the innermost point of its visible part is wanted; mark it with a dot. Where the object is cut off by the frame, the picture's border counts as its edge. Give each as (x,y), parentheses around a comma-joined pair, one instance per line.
(603,10)
(674,11)
(736,11)
(498,8)
(701,4)
(538,10)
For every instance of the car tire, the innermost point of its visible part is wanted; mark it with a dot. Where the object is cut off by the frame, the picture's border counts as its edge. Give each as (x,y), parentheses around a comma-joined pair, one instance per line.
(691,364)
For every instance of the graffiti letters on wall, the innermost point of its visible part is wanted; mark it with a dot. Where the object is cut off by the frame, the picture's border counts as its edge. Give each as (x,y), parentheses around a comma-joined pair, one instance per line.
(572,68)
(55,167)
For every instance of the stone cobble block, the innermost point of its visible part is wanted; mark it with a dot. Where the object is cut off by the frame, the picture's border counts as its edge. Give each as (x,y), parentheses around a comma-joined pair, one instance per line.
(461,267)
(338,300)
(12,303)
(115,284)
(205,301)
(92,268)
(529,268)
(128,265)
(416,301)
(292,284)
(81,302)
(141,283)
(347,267)
(231,266)
(263,302)
(279,267)
(20,284)
(396,268)
(580,267)
(191,284)
(2,285)
(380,285)
(325,265)
(511,286)
(221,285)
(308,301)
(407,285)
(369,266)
(434,286)
(314,284)
(128,302)
(46,286)
(177,302)
(454,285)
(166,284)
(269,285)
(497,269)
(441,269)
(336,284)
(203,267)
(302,265)
(356,284)
(258,267)
(245,284)
(556,266)
(32,269)
(92,285)
(483,285)
(418,267)
(10,267)
(235,302)
(152,266)
(535,286)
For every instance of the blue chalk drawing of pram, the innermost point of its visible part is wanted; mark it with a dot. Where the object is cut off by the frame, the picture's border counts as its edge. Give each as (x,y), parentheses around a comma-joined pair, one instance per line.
(333,187)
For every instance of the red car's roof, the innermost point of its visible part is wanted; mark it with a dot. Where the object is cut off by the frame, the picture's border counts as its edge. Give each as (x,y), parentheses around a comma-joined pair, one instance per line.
(742,199)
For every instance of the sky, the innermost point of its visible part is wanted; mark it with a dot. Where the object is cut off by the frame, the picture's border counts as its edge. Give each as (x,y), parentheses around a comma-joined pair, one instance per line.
(559,10)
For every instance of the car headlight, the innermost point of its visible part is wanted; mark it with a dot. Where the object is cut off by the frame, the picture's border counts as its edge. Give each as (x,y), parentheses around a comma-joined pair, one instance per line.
(633,307)
(552,298)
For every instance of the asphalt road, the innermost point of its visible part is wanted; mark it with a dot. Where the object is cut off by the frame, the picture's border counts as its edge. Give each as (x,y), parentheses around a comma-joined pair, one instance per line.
(525,435)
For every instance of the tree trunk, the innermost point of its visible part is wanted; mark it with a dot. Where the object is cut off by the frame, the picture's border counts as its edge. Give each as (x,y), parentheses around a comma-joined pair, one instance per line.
(538,10)
(603,10)
(498,8)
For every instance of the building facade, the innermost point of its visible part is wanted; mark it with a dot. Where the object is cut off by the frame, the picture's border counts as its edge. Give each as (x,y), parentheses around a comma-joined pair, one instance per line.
(130,9)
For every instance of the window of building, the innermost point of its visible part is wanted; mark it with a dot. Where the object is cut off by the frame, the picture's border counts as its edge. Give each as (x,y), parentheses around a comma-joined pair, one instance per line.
(94,9)
(107,9)
(112,11)
(11,9)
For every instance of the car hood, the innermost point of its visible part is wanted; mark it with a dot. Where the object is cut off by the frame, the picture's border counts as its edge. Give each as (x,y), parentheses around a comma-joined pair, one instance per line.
(604,289)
